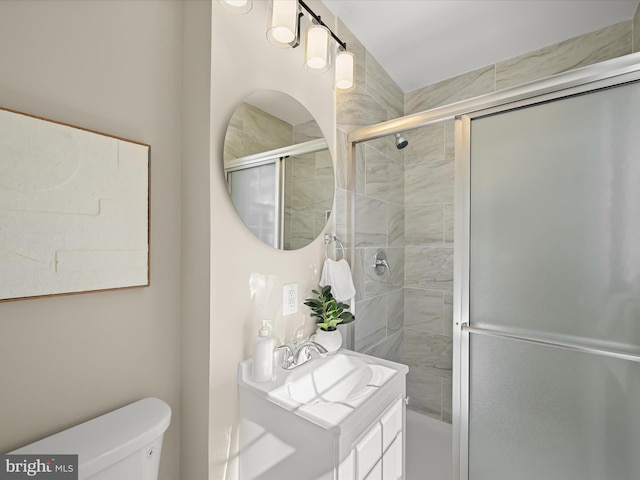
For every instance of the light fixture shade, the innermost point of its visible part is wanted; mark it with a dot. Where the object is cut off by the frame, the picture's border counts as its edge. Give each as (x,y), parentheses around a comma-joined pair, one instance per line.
(345,71)
(317,48)
(283,22)
(237,6)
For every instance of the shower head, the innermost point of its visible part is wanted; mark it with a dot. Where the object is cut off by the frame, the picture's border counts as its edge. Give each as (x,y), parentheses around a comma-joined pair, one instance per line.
(401,142)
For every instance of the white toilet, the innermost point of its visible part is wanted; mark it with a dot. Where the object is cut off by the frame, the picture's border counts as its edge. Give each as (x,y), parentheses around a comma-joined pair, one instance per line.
(121,445)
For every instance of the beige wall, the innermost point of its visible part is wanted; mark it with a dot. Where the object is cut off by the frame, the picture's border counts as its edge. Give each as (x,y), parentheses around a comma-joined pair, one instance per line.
(196,238)
(244,62)
(114,67)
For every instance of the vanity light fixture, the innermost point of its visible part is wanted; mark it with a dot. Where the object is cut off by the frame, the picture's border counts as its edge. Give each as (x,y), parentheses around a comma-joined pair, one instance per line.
(317,48)
(345,68)
(237,6)
(284,31)
(284,24)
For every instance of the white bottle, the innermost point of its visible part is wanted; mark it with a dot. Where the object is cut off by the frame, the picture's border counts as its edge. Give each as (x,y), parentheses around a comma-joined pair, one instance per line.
(263,356)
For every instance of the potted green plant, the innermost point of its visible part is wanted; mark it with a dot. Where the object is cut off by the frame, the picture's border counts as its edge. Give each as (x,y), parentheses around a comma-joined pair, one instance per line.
(329,313)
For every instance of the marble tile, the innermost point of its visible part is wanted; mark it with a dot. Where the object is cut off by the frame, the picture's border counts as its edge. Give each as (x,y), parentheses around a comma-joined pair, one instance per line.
(395,311)
(424,225)
(468,85)
(266,130)
(341,164)
(385,177)
(358,268)
(381,284)
(324,164)
(449,139)
(427,183)
(396,260)
(388,348)
(301,167)
(286,236)
(426,145)
(303,132)
(636,30)
(429,268)
(313,194)
(395,225)
(237,117)
(360,181)
(321,217)
(449,223)
(447,401)
(355,110)
(428,353)
(370,222)
(233,143)
(425,394)
(382,87)
(302,229)
(340,215)
(392,150)
(371,322)
(424,311)
(379,144)
(448,314)
(604,44)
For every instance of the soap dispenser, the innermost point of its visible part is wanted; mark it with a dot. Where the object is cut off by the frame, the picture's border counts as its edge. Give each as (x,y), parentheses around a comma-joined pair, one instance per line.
(263,356)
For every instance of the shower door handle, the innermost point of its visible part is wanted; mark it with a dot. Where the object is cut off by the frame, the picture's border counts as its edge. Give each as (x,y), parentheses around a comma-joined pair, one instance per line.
(594,348)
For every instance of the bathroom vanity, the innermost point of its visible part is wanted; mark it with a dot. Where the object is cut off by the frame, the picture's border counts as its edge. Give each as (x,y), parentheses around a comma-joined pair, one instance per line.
(341,417)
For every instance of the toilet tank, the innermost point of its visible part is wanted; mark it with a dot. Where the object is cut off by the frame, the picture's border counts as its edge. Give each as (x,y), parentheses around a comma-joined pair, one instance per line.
(122,444)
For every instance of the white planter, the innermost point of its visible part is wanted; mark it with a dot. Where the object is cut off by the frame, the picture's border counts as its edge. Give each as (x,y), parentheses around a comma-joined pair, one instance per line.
(332,341)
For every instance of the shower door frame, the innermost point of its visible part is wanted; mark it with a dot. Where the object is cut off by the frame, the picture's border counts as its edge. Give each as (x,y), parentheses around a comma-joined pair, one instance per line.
(601,75)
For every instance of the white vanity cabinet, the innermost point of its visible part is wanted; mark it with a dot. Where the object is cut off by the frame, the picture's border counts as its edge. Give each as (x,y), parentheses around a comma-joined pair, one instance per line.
(360,437)
(379,453)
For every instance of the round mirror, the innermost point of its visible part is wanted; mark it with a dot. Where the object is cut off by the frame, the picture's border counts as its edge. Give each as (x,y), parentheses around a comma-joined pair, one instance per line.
(278,170)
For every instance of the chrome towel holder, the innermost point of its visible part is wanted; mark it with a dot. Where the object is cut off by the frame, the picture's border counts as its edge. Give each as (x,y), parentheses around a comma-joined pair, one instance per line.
(331,237)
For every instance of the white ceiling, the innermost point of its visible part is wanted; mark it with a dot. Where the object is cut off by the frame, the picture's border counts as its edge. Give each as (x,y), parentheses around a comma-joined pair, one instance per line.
(420,42)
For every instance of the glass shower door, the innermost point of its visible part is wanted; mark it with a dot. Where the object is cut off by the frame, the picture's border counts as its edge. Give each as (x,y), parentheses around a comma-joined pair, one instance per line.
(553,329)
(255,192)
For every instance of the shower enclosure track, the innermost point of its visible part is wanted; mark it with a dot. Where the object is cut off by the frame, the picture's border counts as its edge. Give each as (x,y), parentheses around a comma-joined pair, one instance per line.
(576,347)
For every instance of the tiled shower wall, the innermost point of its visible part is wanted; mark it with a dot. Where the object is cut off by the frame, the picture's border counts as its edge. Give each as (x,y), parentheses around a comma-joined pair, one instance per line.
(408,316)
(379,190)
(308,190)
(428,293)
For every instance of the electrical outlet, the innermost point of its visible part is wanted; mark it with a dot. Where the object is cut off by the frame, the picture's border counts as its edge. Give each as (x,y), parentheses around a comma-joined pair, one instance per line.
(289,298)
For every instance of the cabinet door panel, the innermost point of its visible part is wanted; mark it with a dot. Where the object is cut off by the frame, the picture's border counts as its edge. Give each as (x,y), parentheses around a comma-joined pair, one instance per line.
(392,460)
(369,450)
(346,469)
(376,473)
(391,423)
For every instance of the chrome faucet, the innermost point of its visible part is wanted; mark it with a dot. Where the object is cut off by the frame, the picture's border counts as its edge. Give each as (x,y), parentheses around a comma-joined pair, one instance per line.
(300,354)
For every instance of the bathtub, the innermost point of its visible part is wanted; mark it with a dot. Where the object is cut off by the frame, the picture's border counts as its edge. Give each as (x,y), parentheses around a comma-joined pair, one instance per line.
(428,448)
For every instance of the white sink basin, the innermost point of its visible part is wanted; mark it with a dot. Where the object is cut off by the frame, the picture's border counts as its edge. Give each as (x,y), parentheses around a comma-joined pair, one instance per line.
(337,378)
(328,391)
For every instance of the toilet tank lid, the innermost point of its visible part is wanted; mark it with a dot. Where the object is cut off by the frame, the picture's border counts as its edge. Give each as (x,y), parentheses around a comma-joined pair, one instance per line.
(107,439)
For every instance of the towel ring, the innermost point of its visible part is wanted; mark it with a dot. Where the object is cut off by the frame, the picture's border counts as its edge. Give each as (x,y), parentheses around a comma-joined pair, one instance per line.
(328,238)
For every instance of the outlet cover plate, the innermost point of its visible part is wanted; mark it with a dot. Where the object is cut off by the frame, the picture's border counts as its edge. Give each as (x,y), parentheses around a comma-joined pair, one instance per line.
(289,298)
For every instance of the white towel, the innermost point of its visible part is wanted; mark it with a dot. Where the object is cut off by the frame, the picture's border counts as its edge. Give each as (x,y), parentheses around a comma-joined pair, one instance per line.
(338,275)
